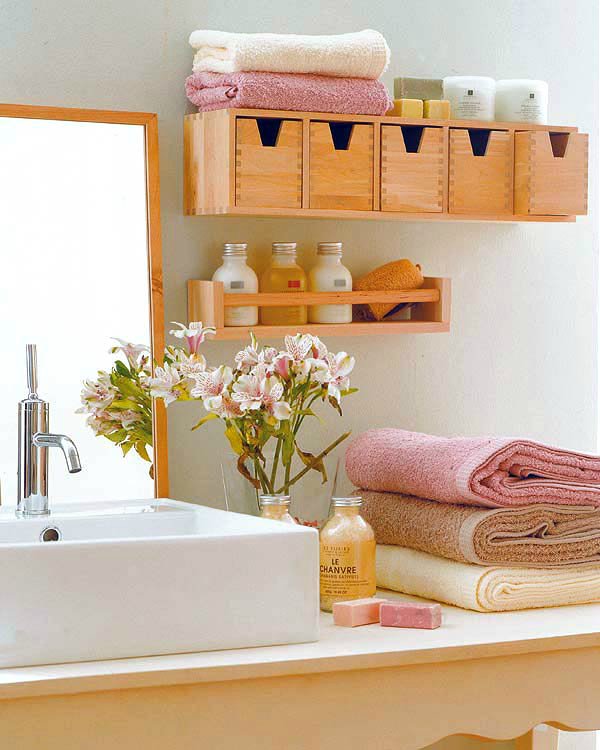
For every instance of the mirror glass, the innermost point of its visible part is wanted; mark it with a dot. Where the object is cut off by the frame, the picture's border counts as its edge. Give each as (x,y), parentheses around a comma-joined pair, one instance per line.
(73,273)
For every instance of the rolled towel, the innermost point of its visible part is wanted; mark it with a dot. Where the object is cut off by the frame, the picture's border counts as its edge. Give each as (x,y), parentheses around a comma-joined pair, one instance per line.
(486,471)
(362,54)
(530,536)
(288,91)
(485,589)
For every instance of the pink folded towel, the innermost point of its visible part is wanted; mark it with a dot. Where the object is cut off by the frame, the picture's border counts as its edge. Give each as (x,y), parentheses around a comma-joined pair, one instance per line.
(288,91)
(486,471)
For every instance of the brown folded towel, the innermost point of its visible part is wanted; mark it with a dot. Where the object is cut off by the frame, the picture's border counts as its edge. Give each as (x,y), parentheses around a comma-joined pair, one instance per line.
(532,535)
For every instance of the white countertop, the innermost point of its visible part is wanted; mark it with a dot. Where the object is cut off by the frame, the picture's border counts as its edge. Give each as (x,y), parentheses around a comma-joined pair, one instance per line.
(463,635)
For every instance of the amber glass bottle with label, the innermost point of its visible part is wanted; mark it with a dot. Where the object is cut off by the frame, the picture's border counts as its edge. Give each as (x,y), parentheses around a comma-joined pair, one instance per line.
(347,555)
(283,275)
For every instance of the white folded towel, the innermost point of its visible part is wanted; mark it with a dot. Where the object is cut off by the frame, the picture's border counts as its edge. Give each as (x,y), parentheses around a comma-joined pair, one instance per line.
(485,589)
(363,54)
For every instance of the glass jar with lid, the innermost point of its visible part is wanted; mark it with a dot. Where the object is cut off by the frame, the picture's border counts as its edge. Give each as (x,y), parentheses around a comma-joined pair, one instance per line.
(347,554)
(283,275)
(329,275)
(275,507)
(238,278)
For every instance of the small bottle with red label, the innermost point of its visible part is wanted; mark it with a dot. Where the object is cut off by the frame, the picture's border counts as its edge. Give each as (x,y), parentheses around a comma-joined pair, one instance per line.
(283,275)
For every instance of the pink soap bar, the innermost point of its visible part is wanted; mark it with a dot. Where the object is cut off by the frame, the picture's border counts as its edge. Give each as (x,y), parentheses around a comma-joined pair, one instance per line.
(410,615)
(357,612)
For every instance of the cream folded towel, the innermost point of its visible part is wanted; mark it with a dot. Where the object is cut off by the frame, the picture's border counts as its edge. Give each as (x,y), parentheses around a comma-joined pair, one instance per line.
(484,589)
(362,54)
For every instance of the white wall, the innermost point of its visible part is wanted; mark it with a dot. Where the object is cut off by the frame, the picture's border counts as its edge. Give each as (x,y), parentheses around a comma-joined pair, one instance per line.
(522,355)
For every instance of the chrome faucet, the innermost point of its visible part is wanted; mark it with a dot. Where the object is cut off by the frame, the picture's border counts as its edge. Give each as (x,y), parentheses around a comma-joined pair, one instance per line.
(34,441)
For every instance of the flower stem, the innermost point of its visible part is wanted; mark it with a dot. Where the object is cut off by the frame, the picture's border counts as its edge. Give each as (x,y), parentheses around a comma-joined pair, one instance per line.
(306,469)
(276,461)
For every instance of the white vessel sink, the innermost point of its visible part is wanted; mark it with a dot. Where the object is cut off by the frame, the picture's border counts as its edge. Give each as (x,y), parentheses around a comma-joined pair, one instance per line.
(151,577)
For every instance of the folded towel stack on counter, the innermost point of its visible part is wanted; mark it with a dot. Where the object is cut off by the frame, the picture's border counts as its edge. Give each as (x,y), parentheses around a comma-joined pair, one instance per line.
(337,74)
(488,524)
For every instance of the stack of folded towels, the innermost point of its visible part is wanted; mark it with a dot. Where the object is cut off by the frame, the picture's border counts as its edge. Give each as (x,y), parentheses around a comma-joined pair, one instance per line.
(337,74)
(487,524)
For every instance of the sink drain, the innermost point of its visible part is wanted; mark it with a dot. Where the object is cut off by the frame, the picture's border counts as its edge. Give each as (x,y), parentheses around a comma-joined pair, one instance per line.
(50,534)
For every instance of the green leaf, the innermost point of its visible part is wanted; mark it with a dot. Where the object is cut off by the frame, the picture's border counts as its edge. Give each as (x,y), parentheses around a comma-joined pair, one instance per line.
(126,447)
(204,420)
(122,404)
(313,462)
(141,451)
(235,441)
(122,369)
(117,436)
(243,469)
(349,391)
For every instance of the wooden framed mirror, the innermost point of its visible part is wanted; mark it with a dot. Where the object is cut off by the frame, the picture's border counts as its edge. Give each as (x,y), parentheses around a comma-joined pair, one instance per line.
(80,263)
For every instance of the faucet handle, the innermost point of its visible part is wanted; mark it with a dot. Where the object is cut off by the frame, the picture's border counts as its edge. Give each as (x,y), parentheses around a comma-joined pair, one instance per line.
(32,370)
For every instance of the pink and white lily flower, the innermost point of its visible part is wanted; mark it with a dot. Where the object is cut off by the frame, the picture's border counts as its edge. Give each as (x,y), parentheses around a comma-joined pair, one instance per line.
(131,351)
(164,382)
(97,393)
(340,367)
(252,356)
(259,389)
(210,387)
(194,334)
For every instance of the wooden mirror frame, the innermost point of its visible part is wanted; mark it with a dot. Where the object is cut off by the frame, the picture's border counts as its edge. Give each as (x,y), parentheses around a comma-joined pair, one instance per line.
(155,277)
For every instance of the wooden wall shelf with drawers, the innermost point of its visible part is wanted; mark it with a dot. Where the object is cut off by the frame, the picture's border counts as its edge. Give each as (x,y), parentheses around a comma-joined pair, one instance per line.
(429,310)
(271,163)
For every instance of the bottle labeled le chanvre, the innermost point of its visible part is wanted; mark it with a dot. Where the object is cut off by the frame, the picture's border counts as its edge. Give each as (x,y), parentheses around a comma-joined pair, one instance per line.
(347,555)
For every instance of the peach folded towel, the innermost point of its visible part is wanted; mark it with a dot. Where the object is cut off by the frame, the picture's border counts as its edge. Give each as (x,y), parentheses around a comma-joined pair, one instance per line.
(290,92)
(486,471)
(485,589)
(533,535)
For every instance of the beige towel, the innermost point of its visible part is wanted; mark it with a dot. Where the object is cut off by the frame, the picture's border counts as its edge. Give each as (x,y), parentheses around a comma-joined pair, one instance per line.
(360,54)
(484,589)
(532,535)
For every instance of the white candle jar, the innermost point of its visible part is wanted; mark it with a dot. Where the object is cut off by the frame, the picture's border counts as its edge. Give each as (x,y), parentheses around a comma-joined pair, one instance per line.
(470,97)
(522,100)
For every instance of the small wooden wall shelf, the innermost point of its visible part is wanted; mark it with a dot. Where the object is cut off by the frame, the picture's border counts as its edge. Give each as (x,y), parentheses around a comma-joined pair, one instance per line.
(272,163)
(430,310)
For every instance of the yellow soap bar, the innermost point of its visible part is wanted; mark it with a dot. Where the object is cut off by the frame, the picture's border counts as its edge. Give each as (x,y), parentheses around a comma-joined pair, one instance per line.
(407,108)
(437,109)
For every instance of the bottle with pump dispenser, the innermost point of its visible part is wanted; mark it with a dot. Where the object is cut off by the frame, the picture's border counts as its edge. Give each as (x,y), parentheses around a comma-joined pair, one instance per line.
(283,275)
(329,275)
(238,278)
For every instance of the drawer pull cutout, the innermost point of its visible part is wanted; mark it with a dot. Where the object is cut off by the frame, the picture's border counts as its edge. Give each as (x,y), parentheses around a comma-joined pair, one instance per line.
(269,129)
(479,141)
(412,136)
(341,133)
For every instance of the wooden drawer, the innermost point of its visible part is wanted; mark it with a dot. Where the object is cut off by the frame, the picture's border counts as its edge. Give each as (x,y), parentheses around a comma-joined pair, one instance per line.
(480,171)
(341,166)
(551,173)
(268,162)
(412,168)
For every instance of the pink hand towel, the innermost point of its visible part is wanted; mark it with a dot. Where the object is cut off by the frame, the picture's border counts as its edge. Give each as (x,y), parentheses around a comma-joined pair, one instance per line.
(287,91)
(486,471)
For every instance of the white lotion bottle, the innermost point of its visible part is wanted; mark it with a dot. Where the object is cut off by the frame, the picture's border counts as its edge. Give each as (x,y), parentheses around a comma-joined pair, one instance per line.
(238,278)
(329,275)
(470,97)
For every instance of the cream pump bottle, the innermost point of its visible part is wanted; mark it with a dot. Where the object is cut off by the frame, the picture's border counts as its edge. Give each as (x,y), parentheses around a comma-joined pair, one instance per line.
(237,278)
(329,275)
